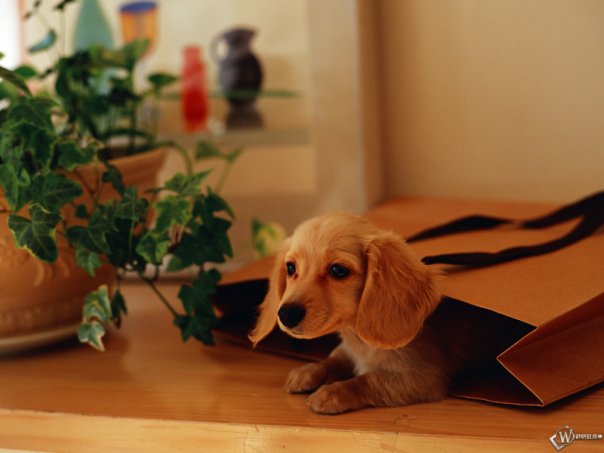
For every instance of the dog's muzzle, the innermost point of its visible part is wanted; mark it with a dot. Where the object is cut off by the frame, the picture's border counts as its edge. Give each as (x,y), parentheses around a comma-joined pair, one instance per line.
(291,314)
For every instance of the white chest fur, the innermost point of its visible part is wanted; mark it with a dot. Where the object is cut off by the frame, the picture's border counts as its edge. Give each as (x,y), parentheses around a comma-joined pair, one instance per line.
(366,358)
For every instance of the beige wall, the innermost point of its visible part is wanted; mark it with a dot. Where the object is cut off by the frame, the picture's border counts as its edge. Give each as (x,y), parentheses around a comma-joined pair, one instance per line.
(480,98)
(491,98)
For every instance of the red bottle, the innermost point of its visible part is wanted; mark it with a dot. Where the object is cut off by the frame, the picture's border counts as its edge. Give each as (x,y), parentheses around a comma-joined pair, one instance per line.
(194,99)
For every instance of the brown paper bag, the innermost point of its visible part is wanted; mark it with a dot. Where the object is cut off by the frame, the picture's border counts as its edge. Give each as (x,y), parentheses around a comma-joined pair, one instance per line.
(554,301)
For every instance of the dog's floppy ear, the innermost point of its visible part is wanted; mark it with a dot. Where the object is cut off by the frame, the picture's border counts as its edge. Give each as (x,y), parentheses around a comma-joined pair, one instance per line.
(268,309)
(399,294)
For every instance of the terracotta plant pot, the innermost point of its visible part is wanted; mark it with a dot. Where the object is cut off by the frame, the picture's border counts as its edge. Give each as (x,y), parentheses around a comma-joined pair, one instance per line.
(41,302)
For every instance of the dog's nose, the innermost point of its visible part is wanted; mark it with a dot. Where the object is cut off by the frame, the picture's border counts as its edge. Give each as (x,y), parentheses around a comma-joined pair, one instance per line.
(291,314)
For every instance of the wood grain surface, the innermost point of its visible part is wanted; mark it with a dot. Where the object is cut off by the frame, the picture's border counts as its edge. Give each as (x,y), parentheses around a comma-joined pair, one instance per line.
(149,390)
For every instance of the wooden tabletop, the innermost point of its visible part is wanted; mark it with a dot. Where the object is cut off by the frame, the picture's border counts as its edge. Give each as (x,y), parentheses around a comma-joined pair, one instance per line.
(149,391)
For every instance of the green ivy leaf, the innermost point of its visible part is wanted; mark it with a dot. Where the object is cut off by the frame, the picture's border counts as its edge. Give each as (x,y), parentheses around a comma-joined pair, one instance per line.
(189,253)
(10,186)
(161,79)
(94,237)
(118,305)
(45,43)
(87,260)
(216,203)
(212,228)
(122,245)
(26,71)
(130,207)
(28,129)
(36,235)
(178,263)
(206,150)
(16,187)
(92,333)
(97,306)
(53,191)
(203,244)
(98,227)
(121,95)
(100,57)
(14,79)
(186,184)
(172,210)
(134,51)
(191,326)
(70,155)
(233,155)
(8,91)
(153,246)
(35,111)
(200,317)
(266,237)
(113,176)
(196,298)
(39,142)
(96,314)
(206,242)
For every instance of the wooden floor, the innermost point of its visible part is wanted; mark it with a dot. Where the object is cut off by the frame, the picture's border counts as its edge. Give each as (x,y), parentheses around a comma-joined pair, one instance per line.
(151,392)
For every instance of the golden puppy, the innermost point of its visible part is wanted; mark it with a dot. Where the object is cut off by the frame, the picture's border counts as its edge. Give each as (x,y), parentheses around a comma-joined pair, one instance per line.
(339,273)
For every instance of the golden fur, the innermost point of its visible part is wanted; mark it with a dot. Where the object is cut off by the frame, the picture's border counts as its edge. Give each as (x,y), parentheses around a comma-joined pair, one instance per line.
(390,354)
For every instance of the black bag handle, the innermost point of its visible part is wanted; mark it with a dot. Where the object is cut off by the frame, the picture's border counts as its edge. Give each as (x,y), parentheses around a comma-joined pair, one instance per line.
(589,209)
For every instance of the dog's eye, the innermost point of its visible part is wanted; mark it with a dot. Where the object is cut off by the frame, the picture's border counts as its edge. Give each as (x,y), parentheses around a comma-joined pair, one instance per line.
(338,271)
(291,268)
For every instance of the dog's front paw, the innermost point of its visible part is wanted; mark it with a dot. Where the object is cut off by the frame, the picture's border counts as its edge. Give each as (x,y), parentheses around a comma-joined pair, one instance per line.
(334,399)
(306,379)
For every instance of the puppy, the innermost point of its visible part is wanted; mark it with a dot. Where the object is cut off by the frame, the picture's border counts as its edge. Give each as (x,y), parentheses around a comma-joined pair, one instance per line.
(339,273)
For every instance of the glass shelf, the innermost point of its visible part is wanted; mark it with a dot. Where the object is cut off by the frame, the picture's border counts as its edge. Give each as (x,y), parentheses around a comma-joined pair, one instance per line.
(246,137)
(283,122)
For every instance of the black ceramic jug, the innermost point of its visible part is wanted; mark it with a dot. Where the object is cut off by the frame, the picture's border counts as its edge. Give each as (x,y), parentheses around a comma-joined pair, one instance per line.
(240,72)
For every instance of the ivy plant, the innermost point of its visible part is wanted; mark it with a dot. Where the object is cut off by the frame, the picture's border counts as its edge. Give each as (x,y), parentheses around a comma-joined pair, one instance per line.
(45,140)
